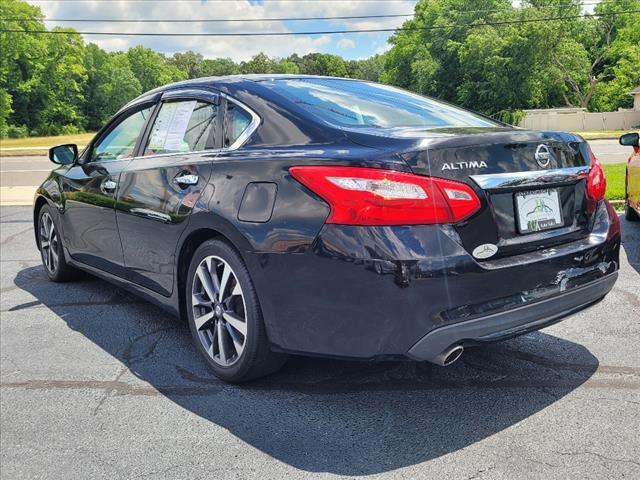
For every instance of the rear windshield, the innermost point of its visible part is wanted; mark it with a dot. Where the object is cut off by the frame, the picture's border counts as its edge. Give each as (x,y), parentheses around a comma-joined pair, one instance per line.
(362,104)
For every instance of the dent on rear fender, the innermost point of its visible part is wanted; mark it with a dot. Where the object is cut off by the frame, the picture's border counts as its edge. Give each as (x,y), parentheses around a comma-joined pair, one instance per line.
(406,253)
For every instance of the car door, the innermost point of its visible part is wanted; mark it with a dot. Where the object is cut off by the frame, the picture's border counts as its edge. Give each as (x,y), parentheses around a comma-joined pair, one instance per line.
(159,189)
(89,190)
(633,178)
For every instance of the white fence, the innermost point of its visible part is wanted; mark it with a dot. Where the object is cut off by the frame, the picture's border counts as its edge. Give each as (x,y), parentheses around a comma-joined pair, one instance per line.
(579,120)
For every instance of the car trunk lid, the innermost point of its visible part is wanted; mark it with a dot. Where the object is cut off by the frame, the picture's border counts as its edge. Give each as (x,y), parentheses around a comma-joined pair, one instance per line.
(532,185)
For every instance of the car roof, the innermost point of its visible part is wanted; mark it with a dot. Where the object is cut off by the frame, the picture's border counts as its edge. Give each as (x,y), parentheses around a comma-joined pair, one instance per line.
(235,79)
(255,77)
(228,83)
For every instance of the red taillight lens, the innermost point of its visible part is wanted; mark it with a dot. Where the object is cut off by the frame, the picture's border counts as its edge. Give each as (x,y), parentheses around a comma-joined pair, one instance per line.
(372,196)
(596,181)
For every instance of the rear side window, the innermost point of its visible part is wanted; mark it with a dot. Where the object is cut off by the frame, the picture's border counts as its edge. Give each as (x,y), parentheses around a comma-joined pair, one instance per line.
(362,104)
(184,126)
(237,122)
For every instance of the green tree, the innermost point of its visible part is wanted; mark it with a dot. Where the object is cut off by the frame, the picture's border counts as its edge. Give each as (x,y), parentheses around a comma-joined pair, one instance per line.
(188,62)
(110,84)
(21,56)
(595,59)
(58,96)
(426,57)
(5,111)
(259,63)
(323,64)
(285,66)
(620,56)
(489,55)
(152,69)
(367,69)
(218,67)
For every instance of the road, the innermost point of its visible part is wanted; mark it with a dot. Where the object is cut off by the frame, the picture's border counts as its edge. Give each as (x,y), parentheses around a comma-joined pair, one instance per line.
(95,383)
(610,151)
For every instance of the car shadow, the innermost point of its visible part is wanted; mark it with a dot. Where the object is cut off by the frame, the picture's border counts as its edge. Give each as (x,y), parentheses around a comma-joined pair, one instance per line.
(318,415)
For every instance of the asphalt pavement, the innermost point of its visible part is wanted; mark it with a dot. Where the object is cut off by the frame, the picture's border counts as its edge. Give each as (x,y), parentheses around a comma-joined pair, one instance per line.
(96,383)
(610,151)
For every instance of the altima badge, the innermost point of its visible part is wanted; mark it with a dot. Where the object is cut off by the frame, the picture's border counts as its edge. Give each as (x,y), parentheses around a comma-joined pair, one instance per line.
(464,165)
(485,250)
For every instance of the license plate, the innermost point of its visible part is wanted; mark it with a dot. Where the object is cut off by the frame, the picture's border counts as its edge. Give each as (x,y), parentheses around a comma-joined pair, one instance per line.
(538,210)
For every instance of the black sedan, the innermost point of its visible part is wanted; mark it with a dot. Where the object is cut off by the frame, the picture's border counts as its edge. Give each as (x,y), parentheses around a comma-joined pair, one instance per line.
(334,217)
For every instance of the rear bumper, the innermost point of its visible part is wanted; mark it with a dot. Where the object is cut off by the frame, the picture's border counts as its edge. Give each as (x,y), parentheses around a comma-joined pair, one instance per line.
(367,292)
(518,321)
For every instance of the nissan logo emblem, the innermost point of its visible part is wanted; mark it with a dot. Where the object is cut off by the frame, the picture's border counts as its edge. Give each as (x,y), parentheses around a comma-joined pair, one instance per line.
(543,155)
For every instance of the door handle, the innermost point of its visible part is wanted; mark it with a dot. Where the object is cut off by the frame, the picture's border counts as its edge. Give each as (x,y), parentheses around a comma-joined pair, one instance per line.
(108,186)
(186,179)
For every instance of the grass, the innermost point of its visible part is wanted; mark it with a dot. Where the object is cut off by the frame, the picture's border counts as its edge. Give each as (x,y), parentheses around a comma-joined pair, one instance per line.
(39,145)
(615,173)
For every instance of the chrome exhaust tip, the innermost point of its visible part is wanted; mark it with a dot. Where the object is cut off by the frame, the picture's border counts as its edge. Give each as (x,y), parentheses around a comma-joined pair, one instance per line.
(448,356)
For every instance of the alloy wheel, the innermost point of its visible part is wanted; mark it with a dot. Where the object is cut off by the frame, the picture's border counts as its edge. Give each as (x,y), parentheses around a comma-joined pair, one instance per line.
(49,242)
(219,311)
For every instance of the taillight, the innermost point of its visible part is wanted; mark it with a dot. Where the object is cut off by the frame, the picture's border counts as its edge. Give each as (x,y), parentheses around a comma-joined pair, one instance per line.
(596,181)
(372,196)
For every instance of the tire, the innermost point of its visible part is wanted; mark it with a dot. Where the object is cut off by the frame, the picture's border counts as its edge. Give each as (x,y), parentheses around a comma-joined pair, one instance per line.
(51,248)
(629,213)
(228,329)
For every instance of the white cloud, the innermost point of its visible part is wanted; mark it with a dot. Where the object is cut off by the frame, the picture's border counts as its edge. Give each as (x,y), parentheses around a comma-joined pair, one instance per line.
(384,48)
(345,43)
(238,48)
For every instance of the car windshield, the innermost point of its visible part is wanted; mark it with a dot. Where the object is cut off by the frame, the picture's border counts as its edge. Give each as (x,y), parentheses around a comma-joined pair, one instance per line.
(362,104)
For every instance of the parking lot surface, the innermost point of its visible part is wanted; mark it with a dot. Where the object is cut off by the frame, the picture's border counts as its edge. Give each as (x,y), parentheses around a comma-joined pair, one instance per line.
(96,383)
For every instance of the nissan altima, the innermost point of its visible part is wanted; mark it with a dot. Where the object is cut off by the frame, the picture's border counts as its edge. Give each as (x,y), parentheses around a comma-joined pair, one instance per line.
(331,217)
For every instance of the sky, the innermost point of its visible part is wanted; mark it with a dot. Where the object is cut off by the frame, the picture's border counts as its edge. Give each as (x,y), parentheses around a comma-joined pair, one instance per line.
(350,46)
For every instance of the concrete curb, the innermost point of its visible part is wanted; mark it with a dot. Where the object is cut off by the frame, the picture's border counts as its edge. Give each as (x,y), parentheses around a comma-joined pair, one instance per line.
(15,196)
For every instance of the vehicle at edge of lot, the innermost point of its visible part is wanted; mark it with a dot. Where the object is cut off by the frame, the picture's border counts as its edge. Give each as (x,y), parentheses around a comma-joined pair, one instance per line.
(632,177)
(332,217)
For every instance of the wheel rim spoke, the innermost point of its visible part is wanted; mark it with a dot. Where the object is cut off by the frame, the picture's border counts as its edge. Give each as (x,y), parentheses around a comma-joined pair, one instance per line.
(198,300)
(49,243)
(205,279)
(222,349)
(236,322)
(226,272)
(219,311)
(211,337)
(238,344)
(201,321)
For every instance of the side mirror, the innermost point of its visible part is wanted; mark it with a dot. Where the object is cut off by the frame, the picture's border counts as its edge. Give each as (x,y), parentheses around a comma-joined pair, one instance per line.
(630,140)
(66,154)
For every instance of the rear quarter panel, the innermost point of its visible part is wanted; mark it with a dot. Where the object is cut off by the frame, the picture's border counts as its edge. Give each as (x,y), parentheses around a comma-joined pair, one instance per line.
(298,214)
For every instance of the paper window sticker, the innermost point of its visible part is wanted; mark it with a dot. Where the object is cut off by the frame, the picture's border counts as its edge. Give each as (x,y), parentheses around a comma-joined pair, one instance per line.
(161,127)
(179,123)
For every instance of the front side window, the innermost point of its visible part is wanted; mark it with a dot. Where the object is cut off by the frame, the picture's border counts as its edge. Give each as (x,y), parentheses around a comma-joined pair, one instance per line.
(362,104)
(121,140)
(237,122)
(184,126)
